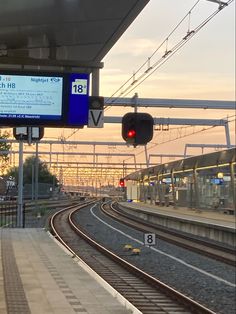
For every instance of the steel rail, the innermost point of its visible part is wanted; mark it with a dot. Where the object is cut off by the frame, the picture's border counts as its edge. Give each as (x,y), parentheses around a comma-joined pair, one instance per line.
(166,291)
(53,227)
(212,250)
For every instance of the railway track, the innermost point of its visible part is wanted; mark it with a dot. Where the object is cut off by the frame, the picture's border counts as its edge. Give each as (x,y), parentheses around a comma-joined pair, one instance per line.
(145,292)
(12,206)
(212,250)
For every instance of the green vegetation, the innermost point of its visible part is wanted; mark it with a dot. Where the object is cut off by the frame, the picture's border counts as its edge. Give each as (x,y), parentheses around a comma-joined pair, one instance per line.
(44,175)
(4,158)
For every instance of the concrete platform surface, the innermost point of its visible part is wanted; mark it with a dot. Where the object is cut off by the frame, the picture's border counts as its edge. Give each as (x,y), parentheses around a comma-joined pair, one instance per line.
(203,216)
(38,277)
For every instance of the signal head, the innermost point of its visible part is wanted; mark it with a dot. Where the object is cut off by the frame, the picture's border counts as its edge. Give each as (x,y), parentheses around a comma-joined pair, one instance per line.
(137,128)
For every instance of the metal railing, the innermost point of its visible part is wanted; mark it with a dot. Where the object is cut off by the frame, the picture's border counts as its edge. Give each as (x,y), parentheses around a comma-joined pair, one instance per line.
(8,215)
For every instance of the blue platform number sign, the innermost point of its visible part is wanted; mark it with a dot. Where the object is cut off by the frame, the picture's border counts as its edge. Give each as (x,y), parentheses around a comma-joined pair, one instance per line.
(78,99)
(79,87)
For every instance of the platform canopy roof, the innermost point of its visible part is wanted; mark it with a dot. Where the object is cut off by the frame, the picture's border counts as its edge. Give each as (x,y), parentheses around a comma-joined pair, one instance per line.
(215,159)
(63,32)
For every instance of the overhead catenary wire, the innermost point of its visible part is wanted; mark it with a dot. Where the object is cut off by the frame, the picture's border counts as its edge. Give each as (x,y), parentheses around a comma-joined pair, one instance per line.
(136,81)
(147,62)
(168,54)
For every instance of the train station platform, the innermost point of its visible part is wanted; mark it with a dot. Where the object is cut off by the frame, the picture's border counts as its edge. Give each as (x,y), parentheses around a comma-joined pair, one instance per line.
(37,276)
(214,225)
(211,217)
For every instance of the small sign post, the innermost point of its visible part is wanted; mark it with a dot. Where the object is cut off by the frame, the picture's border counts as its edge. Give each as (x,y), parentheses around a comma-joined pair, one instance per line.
(96,112)
(149,239)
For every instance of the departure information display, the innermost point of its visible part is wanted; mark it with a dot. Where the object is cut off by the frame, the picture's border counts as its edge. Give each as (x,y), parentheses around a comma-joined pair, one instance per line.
(31,97)
(44,99)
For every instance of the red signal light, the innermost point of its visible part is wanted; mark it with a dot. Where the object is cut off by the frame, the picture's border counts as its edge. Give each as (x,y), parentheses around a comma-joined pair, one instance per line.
(137,128)
(122,183)
(131,133)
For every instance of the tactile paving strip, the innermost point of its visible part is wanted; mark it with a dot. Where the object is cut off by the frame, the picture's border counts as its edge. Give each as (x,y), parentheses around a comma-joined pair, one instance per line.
(15,295)
(72,299)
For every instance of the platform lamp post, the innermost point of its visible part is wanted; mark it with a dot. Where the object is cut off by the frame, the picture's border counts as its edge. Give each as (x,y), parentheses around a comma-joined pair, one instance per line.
(32,182)
(36,178)
(20,134)
(20,187)
(24,134)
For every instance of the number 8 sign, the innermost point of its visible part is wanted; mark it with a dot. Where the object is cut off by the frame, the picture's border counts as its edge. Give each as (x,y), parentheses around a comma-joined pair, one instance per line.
(149,239)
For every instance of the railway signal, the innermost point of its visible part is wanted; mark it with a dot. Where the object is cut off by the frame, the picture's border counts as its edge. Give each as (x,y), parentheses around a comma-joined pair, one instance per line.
(137,128)
(122,183)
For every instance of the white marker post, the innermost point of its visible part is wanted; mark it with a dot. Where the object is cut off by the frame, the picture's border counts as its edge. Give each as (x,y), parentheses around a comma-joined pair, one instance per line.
(149,239)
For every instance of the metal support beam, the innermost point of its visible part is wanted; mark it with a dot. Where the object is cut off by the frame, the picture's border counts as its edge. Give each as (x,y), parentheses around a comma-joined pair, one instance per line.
(32,182)
(218,2)
(171,103)
(95,82)
(175,121)
(227,134)
(36,192)
(216,146)
(94,151)
(135,162)
(146,155)
(196,188)
(67,153)
(232,185)
(173,188)
(50,156)
(57,142)
(62,64)
(68,163)
(20,188)
(168,155)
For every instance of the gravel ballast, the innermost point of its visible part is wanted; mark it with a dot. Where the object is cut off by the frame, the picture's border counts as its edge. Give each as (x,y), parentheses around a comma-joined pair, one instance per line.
(208,282)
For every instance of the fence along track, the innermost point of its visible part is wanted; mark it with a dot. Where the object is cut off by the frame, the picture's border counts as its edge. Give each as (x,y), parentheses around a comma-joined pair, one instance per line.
(145,292)
(8,210)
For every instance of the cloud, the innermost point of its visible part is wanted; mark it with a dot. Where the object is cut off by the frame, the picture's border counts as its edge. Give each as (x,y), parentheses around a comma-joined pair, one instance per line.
(108,71)
(135,47)
(166,84)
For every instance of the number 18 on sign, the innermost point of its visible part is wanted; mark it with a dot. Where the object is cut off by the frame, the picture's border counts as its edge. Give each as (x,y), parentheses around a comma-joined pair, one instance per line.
(79,87)
(149,239)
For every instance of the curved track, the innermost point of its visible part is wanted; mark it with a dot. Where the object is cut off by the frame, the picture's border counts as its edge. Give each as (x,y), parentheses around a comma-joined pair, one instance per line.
(218,252)
(146,293)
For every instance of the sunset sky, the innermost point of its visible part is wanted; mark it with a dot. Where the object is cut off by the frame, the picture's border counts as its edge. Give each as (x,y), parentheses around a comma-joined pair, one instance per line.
(203,69)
